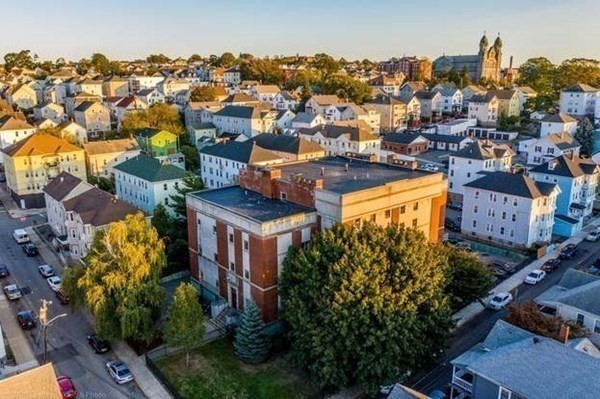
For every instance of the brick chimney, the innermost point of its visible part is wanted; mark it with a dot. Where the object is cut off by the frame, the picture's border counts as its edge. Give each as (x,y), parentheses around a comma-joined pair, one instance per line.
(563,334)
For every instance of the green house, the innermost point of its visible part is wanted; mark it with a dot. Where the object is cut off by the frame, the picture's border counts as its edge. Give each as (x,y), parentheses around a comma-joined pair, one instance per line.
(156,142)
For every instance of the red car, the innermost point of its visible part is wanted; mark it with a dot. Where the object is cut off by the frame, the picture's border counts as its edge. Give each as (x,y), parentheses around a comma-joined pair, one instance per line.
(67,389)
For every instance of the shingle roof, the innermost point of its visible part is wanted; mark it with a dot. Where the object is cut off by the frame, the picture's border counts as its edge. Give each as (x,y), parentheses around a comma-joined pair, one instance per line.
(482,98)
(426,95)
(532,366)
(150,132)
(516,184)
(503,94)
(8,122)
(62,185)
(559,118)
(246,152)
(150,169)
(353,133)
(243,111)
(40,144)
(39,382)
(580,88)
(563,141)
(484,149)
(239,98)
(286,143)
(110,146)
(401,138)
(99,208)
(567,166)
(267,89)
(327,99)
(445,138)
(84,106)
(304,117)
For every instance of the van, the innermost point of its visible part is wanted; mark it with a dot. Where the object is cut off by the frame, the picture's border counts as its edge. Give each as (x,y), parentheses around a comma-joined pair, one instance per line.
(20,236)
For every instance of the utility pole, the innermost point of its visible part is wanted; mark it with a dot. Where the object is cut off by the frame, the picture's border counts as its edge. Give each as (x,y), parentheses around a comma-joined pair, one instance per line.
(45,323)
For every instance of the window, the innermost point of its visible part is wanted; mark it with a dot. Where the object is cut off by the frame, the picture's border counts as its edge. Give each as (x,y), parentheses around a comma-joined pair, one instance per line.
(283,196)
(165,186)
(474,224)
(514,217)
(597,326)
(232,266)
(373,218)
(246,245)
(215,229)
(503,215)
(388,214)
(580,319)
(415,222)
(475,209)
(403,209)
(230,237)
(416,206)
(216,257)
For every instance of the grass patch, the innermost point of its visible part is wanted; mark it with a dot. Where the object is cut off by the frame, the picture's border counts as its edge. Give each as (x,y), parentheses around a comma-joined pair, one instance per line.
(215,372)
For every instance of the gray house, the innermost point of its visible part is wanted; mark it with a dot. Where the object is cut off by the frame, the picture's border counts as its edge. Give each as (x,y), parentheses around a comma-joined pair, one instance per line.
(512,363)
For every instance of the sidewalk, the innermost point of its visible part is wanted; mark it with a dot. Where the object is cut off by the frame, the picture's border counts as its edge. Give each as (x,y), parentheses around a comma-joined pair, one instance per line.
(12,208)
(15,335)
(472,310)
(144,378)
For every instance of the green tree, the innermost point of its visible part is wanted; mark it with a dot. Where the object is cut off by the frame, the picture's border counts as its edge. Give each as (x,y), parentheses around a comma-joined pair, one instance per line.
(195,58)
(190,183)
(100,63)
(250,344)
(160,116)
(226,60)
(103,183)
(185,323)
(508,123)
(346,86)
(161,221)
(585,136)
(578,70)
(528,316)
(70,285)
(325,63)
(263,70)
(157,59)
(365,306)
(539,74)
(192,158)
(22,59)
(203,93)
(121,281)
(468,278)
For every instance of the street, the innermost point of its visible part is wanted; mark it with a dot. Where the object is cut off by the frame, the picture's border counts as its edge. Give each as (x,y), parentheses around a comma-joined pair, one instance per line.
(476,329)
(67,346)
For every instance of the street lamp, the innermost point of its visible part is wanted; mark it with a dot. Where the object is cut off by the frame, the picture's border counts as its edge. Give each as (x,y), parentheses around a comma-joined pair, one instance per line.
(45,323)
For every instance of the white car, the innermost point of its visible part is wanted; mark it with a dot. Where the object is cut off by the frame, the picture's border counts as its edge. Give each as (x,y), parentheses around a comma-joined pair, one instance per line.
(535,277)
(500,300)
(593,236)
(431,167)
(12,292)
(46,270)
(54,283)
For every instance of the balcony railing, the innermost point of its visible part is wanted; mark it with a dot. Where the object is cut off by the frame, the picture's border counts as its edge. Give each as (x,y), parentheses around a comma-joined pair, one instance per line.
(460,378)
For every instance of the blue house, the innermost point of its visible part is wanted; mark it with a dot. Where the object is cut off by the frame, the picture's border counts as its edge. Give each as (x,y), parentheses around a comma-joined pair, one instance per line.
(577,179)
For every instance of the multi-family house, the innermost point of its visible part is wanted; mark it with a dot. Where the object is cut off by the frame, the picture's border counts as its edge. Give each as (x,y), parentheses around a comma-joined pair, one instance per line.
(141,82)
(202,133)
(240,99)
(284,100)
(404,143)
(21,96)
(115,86)
(525,94)
(317,104)
(508,102)
(509,209)
(558,123)
(54,112)
(409,89)
(577,179)
(90,86)
(484,108)
(470,91)
(171,86)
(72,101)
(306,120)
(432,103)
(73,132)
(290,148)
(157,143)
(540,150)
(55,93)
(512,363)
(239,236)
(367,114)
(387,85)
(452,98)
(342,139)
(232,76)
(87,213)
(93,116)
(265,93)
(102,156)
(246,120)
(221,163)
(481,156)
(33,162)
(200,112)
(151,96)
(396,112)
(126,106)
(145,182)
(64,187)
(13,130)
(283,120)
(579,100)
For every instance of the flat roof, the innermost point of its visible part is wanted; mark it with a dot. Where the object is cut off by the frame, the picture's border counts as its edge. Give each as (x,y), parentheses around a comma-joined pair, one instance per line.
(250,204)
(361,175)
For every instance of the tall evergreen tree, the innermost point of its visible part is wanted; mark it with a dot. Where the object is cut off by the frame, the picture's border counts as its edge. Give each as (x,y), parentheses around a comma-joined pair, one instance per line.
(585,136)
(250,344)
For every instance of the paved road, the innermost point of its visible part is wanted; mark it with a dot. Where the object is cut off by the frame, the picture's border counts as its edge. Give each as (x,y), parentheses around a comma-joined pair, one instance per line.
(476,330)
(67,347)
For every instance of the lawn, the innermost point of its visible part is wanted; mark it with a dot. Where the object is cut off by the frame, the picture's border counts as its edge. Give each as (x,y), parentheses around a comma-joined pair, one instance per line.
(214,372)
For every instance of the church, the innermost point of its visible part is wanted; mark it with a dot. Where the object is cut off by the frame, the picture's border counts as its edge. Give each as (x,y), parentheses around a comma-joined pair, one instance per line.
(485,64)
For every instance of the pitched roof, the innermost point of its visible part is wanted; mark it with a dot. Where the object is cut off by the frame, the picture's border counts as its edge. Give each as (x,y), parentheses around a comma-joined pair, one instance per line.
(8,122)
(84,106)
(267,89)
(110,146)
(243,111)
(484,149)
(567,166)
(40,144)
(327,99)
(286,143)
(483,98)
(516,184)
(532,366)
(564,140)
(580,88)
(353,133)
(503,94)
(401,138)
(99,208)
(150,169)
(304,117)
(39,382)
(150,132)
(62,185)
(415,86)
(559,118)
(240,98)
(246,152)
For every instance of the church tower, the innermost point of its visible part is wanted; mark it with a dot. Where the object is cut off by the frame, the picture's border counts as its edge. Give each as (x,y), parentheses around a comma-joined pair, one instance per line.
(483,44)
(490,59)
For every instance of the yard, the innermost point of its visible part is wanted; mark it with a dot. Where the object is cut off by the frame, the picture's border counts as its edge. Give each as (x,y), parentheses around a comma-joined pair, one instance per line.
(214,372)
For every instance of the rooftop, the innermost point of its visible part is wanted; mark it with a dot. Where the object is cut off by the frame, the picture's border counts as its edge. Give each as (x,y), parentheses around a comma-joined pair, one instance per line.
(287,144)
(150,169)
(110,146)
(62,185)
(40,144)
(98,208)
(246,152)
(250,204)
(516,184)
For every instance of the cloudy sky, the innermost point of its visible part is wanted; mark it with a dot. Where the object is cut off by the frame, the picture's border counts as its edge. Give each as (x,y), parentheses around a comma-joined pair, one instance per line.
(375,29)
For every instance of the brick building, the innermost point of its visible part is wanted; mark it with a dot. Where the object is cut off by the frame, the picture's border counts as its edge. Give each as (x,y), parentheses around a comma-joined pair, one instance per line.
(239,235)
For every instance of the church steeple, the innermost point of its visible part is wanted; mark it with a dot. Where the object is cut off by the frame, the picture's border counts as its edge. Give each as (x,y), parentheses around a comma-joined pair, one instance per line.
(483,44)
(498,43)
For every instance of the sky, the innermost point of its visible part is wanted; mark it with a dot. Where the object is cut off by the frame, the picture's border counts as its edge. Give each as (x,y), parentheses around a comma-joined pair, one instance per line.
(374,29)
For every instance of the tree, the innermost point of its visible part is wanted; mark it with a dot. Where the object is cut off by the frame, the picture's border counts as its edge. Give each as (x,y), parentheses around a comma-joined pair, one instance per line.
(578,70)
(250,343)
(365,306)
(529,317)
(103,183)
(265,71)
(508,123)
(190,183)
(192,158)
(121,281)
(185,324)
(226,60)
(539,74)
(160,116)
(157,59)
(345,86)
(195,58)
(468,279)
(203,93)
(161,221)
(22,59)
(100,63)
(325,63)
(585,136)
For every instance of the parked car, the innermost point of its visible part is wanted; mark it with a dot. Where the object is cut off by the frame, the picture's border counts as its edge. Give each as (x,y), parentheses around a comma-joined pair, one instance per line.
(54,283)
(500,300)
(551,265)
(26,320)
(4,270)
(46,270)
(62,297)
(67,389)
(593,236)
(463,245)
(457,206)
(30,249)
(452,225)
(568,252)
(430,167)
(119,371)
(12,292)
(535,277)
(507,267)
(497,271)
(98,344)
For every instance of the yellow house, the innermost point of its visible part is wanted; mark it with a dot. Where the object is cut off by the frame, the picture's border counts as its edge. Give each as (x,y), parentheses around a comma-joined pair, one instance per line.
(33,162)
(508,102)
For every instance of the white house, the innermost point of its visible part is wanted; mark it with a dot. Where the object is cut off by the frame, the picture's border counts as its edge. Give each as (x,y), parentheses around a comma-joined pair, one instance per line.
(579,100)
(196,113)
(509,209)
(90,86)
(171,86)
(246,120)
(73,132)
(481,156)
(557,123)
(21,96)
(93,116)
(126,106)
(62,188)
(452,98)
(145,182)
(432,103)
(232,76)
(284,100)
(141,82)
(102,156)
(318,103)
(265,93)
(306,120)
(13,130)
(54,112)
(525,93)
(369,115)
(484,108)
(456,127)
(151,96)
(548,147)
(341,139)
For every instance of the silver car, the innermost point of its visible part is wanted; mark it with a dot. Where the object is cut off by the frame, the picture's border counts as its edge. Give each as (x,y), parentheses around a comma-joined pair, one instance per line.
(12,292)
(46,270)
(119,371)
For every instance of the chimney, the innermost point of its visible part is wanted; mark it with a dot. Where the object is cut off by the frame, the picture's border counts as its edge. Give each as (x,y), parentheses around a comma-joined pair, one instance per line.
(347,167)
(322,171)
(563,334)
(511,62)
(62,179)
